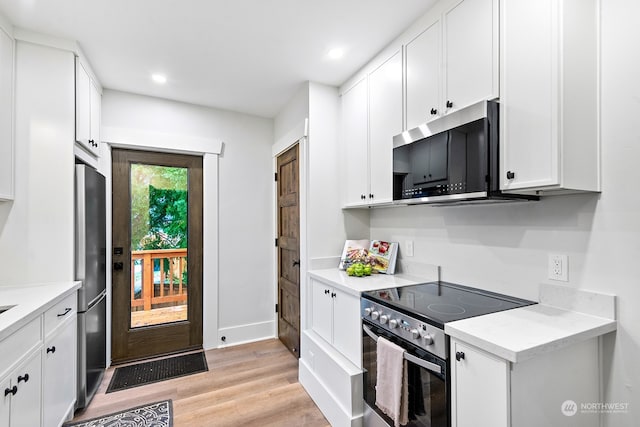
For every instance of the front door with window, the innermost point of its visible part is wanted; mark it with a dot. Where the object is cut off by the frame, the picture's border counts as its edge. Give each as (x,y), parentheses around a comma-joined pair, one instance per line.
(157,254)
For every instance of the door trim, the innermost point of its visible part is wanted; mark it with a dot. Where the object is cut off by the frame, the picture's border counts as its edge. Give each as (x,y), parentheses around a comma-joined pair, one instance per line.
(210,334)
(305,302)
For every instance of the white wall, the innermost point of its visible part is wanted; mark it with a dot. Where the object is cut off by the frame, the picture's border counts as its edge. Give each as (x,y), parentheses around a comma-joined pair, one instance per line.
(245,308)
(504,248)
(36,229)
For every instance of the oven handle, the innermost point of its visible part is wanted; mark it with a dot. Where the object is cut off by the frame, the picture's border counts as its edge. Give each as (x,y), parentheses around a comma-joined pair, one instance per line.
(429,366)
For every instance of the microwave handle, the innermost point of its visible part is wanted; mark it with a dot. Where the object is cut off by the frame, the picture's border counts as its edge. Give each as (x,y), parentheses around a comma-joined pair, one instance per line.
(429,366)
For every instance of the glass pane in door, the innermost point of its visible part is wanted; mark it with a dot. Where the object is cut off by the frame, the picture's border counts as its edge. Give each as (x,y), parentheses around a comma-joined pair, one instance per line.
(159,276)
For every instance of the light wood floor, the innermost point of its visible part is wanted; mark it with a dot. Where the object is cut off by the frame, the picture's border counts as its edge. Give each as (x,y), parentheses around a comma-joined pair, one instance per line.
(248,385)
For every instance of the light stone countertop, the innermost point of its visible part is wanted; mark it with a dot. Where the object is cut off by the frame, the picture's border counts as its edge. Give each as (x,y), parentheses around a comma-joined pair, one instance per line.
(356,285)
(523,333)
(30,301)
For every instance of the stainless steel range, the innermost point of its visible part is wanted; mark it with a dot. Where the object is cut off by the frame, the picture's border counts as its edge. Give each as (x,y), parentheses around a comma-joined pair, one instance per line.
(413,317)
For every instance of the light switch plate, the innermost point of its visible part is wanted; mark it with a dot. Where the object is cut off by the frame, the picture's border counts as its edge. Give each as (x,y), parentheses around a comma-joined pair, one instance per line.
(408,248)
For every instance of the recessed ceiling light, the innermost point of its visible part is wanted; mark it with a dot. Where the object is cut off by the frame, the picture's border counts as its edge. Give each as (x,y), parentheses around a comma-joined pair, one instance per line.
(159,78)
(335,53)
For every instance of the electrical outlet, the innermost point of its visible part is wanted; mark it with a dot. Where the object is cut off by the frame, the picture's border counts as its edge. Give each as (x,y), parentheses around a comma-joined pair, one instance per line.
(409,248)
(559,267)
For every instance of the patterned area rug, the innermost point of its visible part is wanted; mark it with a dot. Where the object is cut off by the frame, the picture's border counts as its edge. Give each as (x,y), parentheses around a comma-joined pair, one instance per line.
(157,370)
(158,414)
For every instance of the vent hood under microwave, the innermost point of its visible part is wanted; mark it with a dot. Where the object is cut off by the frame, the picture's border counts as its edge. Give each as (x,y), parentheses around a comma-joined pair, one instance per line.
(451,160)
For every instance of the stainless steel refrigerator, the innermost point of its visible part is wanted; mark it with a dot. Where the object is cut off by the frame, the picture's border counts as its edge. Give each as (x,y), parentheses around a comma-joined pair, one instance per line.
(90,268)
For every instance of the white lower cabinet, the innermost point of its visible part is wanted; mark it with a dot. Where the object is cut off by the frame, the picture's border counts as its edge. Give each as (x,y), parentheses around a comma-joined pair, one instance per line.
(488,391)
(38,382)
(59,382)
(336,318)
(330,359)
(480,387)
(21,394)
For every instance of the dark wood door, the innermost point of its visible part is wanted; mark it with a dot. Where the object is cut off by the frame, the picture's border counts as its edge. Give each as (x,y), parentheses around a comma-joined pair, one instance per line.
(289,250)
(157,254)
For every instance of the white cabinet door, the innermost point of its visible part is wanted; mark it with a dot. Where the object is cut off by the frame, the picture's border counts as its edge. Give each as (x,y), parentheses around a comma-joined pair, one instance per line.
(59,376)
(87,110)
(471,52)
(95,112)
(5,402)
(322,310)
(26,403)
(347,335)
(385,121)
(83,105)
(6,116)
(549,114)
(423,76)
(479,387)
(355,138)
(529,132)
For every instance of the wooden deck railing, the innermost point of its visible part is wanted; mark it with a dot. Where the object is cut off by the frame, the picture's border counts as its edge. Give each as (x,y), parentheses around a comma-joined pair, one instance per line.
(170,287)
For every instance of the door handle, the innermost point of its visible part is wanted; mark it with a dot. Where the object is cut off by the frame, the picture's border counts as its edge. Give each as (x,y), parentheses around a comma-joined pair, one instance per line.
(296,262)
(118,266)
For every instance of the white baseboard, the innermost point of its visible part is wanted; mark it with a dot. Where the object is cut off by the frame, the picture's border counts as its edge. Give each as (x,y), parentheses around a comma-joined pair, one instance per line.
(244,334)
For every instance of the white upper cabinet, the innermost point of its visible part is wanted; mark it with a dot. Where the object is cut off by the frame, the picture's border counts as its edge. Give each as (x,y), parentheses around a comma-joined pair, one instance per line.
(385,121)
(355,138)
(371,116)
(7,66)
(453,63)
(423,75)
(88,101)
(549,96)
(470,53)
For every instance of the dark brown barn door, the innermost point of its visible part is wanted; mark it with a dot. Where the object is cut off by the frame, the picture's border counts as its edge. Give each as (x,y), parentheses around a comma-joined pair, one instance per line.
(289,250)
(157,254)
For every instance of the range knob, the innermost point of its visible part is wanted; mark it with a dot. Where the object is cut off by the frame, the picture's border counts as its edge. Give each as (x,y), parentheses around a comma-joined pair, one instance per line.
(428,339)
(375,315)
(415,334)
(393,323)
(367,311)
(384,318)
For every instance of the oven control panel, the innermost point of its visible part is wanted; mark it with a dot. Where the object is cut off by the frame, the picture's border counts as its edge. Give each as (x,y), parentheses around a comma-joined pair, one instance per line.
(420,334)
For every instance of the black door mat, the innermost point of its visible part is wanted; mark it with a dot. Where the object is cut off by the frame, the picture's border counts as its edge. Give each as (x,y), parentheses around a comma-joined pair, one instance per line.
(157,370)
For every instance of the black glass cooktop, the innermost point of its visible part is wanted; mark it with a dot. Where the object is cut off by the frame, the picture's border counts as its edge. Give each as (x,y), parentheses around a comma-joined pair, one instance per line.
(441,302)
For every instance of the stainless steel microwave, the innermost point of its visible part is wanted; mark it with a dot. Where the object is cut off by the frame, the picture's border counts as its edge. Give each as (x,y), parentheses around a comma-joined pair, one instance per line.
(452,159)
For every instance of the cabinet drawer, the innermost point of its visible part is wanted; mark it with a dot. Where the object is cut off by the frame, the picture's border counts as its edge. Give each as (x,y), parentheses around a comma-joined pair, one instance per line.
(60,312)
(21,342)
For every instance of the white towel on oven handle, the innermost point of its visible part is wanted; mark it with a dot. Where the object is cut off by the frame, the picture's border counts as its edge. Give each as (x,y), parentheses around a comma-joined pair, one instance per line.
(392,385)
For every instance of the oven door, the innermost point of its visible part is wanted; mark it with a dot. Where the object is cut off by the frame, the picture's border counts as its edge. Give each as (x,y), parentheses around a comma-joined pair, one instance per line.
(428,387)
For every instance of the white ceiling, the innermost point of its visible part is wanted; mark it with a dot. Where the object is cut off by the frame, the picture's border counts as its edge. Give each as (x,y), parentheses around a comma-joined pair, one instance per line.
(241,55)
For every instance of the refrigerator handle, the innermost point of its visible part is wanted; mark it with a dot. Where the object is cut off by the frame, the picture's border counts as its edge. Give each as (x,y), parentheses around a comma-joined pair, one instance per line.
(81,247)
